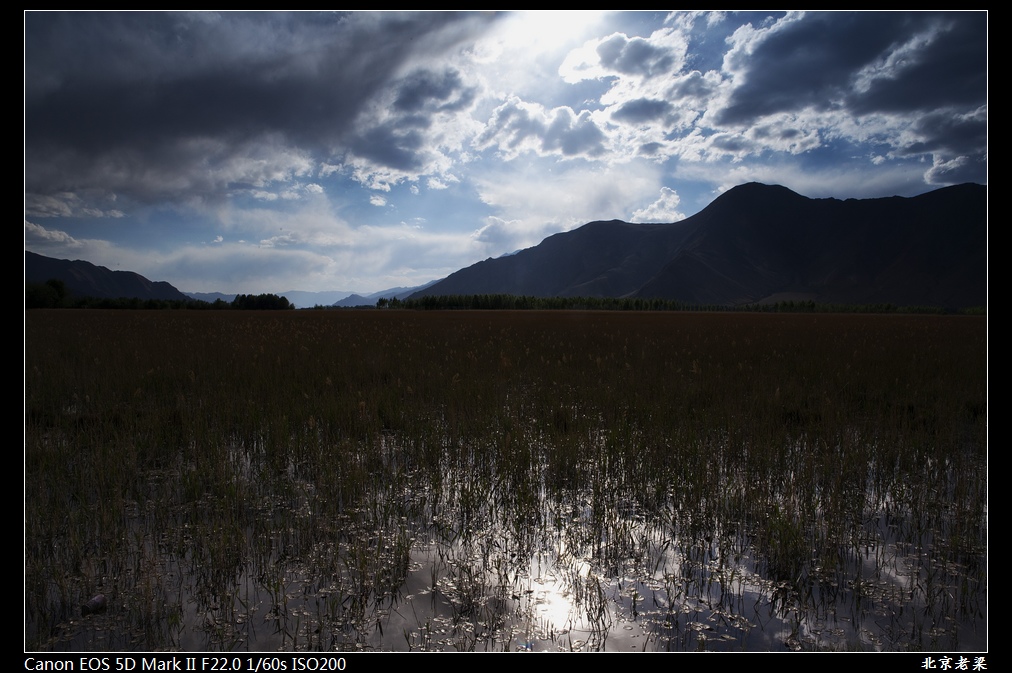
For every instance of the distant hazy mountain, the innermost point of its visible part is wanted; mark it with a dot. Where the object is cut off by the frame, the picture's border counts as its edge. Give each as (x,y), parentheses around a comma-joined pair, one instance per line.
(391,293)
(211,297)
(298,298)
(84,279)
(305,299)
(759,243)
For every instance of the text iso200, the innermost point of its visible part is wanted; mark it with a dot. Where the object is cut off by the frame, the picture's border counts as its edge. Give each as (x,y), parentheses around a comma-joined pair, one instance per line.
(318,664)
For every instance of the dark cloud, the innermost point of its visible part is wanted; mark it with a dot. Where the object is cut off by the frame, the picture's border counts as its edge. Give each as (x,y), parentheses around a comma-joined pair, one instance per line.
(731,143)
(693,86)
(574,134)
(816,62)
(634,56)
(439,92)
(958,143)
(650,149)
(392,145)
(774,133)
(950,71)
(109,92)
(641,110)
(926,70)
(951,135)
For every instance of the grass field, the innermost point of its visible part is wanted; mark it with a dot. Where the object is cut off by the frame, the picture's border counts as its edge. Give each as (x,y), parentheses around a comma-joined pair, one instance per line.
(505,480)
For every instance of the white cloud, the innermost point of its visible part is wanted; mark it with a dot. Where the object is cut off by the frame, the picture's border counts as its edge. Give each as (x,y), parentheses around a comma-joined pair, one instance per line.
(619,55)
(951,171)
(40,235)
(517,126)
(281,240)
(71,204)
(664,209)
(334,253)
(533,204)
(502,235)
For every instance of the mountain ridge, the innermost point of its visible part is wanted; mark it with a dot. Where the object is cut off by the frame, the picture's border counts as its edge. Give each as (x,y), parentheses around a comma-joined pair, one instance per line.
(757,241)
(85,279)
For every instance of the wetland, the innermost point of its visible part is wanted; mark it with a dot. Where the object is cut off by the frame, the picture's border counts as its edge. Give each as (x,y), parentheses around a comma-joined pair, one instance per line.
(392,480)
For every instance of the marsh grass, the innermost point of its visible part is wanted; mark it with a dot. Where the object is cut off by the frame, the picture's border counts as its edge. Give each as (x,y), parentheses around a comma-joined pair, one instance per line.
(505,480)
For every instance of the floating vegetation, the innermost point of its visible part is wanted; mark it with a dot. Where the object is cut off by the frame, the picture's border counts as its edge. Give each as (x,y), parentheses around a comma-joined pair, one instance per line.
(497,481)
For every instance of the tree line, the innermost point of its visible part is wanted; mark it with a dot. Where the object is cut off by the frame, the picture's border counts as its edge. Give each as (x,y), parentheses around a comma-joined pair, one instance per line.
(521,302)
(54,294)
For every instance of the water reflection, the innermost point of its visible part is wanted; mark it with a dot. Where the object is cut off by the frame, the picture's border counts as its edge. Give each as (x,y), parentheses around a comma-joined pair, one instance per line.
(495,558)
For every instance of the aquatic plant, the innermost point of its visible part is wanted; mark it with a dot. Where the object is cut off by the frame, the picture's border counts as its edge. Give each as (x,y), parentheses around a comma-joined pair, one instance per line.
(570,480)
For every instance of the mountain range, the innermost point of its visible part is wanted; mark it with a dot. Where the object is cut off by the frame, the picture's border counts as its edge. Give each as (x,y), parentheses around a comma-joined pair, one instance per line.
(760,243)
(755,243)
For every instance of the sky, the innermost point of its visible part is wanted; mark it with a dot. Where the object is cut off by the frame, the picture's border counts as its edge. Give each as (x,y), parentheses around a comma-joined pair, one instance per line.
(264,152)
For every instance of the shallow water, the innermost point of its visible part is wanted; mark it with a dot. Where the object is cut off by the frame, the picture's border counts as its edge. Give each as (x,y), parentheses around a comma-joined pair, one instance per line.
(462,566)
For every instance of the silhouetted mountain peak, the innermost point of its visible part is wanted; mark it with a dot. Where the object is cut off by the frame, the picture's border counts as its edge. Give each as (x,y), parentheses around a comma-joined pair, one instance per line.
(757,241)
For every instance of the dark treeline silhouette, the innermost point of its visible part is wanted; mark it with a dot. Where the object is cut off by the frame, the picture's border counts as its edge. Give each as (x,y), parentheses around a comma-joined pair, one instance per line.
(54,294)
(51,294)
(518,302)
(261,302)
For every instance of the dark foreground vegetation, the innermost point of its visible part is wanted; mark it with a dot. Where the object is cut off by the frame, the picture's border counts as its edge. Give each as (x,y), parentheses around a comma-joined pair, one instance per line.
(469,480)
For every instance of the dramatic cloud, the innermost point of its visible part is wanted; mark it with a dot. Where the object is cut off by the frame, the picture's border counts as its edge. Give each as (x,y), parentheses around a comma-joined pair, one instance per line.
(261,151)
(151,104)
(910,67)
